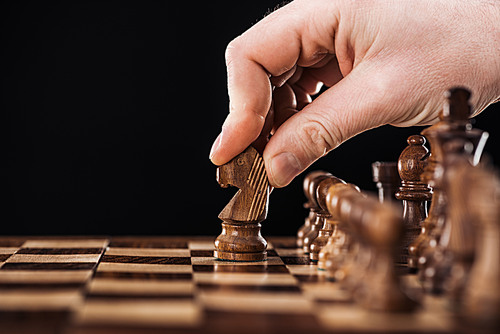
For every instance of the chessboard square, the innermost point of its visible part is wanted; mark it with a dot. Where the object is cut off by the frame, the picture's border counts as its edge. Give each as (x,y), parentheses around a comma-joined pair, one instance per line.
(216,262)
(353,318)
(30,300)
(293,260)
(244,278)
(144,275)
(309,269)
(45,276)
(145,268)
(310,278)
(326,291)
(146,259)
(266,302)
(66,243)
(73,258)
(201,245)
(271,253)
(235,268)
(42,266)
(137,312)
(255,288)
(59,251)
(4,257)
(219,321)
(132,242)
(290,252)
(201,253)
(142,287)
(130,251)
(8,250)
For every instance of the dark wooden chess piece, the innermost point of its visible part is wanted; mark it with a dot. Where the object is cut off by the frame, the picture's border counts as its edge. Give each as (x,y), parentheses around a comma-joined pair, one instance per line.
(456,126)
(454,118)
(319,217)
(240,239)
(377,227)
(413,193)
(310,204)
(385,175)
(328,221)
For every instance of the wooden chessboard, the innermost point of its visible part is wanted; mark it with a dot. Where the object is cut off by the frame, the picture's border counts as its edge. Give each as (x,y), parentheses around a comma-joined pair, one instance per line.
(166,284)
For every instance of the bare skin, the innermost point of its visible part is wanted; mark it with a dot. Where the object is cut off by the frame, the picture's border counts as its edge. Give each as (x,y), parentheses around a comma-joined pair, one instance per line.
(385,62)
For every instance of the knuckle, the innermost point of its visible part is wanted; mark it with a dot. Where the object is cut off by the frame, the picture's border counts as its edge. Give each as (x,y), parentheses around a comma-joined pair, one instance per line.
(231,49)
(318,139)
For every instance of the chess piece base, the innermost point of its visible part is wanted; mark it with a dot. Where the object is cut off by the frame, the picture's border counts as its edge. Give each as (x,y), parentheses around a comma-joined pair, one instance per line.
(240,242)
(243,257)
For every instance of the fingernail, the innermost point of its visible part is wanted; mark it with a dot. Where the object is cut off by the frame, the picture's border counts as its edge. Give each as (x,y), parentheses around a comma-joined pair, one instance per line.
(284,167)
(215,146)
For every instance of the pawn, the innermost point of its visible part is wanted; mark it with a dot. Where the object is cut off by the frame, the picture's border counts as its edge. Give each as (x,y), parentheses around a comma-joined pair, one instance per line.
(310,204)
(414,194)
(336,242)
(319,217)
(339,247)
(370,273)
(328,223)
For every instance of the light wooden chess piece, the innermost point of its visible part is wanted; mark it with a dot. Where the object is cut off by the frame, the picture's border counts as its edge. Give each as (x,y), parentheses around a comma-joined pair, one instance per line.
(413,193)
(328,221)
(333,255)
(377,227)
(320,215)
(341,265)
(311,205)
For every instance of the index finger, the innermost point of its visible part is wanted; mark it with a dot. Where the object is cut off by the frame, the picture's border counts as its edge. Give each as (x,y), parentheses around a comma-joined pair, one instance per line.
(272,47)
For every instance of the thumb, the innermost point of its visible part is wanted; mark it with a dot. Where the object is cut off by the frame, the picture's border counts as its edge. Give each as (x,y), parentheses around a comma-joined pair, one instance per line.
(351,106)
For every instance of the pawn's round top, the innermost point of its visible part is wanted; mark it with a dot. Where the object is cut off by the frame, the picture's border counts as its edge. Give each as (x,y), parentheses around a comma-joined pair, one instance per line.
(313,185)
(322,190)
(309,178)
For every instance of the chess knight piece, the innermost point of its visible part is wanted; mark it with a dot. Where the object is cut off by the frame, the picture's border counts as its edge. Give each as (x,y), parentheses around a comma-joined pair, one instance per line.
(240,239)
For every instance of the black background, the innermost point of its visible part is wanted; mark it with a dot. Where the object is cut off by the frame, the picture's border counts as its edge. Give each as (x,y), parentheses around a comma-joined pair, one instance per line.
(109,110)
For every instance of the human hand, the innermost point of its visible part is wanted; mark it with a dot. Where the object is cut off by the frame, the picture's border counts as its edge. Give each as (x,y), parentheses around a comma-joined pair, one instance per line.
(385,62)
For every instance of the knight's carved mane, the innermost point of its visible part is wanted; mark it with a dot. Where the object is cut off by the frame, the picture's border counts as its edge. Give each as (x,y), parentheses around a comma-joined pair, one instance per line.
(250,202)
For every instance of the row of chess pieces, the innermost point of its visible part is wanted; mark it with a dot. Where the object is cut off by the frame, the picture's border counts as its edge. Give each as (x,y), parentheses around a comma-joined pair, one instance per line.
(365,241)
